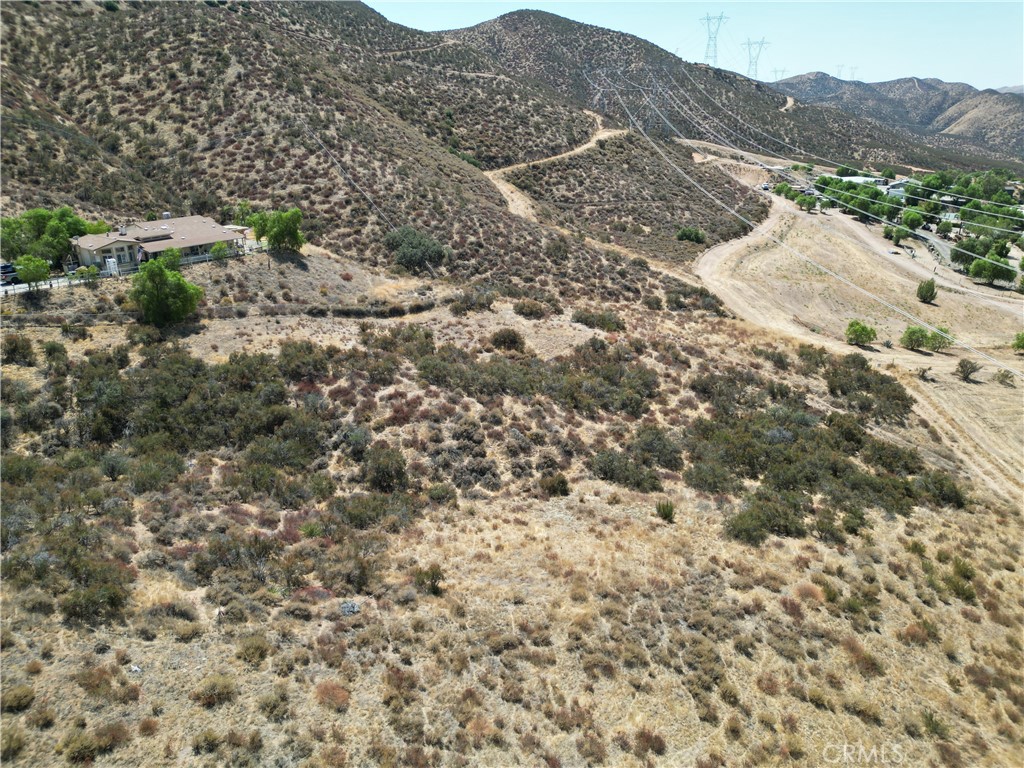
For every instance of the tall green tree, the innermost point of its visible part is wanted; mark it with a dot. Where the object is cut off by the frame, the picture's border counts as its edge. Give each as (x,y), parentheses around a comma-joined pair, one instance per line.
(859,334)
(993,268)
(926,291)
(259,222)
(163,295)
(283,230)
(914,337)
(912,220)
(32,270)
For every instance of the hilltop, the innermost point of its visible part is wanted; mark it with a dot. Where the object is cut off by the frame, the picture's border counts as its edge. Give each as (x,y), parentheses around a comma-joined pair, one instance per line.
(563,54)
(923,107)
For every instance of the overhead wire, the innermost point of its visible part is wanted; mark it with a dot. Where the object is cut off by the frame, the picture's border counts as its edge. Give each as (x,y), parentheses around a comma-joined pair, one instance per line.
(846,281)
(791,146)
(722,140)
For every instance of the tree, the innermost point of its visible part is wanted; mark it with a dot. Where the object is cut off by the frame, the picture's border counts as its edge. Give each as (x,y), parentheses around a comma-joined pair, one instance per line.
(385,469)
(413,250)
(806,202)
(1018,342)
(912,220)
(993,268)
(692,234)
(859,334)
(914,337)
(888,173)
(845,170)
(219,251)
(944,228)
(171,259)
(939,339)
(164,296)
(259,223)
(89,275)
(32,270)
(965,369)
(926,291)
(283,230)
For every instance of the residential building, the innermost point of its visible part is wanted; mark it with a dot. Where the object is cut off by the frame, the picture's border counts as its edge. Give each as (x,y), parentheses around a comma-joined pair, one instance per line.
(141,241)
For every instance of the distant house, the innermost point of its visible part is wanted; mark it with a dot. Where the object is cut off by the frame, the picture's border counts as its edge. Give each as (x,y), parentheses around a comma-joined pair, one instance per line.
(135,243)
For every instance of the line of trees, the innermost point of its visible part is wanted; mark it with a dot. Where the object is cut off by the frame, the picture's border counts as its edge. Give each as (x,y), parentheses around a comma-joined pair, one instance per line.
(45,234)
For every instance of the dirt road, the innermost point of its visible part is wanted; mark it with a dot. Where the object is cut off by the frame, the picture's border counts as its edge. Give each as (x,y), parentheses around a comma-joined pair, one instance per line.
(762,281)
(518,201)
(768,285)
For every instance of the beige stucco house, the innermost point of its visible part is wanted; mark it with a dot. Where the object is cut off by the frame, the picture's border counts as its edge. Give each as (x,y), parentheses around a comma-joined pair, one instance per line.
(134,243)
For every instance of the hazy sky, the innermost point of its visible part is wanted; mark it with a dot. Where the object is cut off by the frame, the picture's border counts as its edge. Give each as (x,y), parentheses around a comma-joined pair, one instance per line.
(981,43)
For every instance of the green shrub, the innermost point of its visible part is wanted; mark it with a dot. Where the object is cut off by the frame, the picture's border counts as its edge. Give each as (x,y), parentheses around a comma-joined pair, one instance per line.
(253,649)
(768,513)
(413,250)
(555,485)
(274,706)
(605,321)
(652,445)
(17,350)
(926,291)
(442,493)
(620,468)
(302,360)
(859,334)
(691,234)
(213,690)
(12,741)
(205,741)
(530,309)
(508,338)
(384,469)
(914,337)
(666,510)
(17,698)
(429,579)
(933,725)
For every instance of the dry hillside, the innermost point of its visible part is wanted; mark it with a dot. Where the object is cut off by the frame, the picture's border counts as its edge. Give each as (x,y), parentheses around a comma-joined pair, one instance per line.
(547,500)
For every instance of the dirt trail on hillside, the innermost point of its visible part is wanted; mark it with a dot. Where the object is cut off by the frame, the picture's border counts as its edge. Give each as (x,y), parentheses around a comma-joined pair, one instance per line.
(518,201)
(770,286)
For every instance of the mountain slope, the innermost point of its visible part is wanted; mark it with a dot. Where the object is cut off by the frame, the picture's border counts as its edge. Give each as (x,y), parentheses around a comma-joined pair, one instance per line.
(925,107)
(563,54)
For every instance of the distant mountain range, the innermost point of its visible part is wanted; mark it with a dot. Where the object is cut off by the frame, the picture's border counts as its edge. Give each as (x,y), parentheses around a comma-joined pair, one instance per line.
(925,107)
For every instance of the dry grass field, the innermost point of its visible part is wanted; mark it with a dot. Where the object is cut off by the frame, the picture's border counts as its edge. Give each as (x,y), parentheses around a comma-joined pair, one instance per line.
(578,494)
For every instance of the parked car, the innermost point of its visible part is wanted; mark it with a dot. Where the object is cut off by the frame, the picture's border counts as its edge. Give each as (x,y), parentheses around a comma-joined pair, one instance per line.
(8,276)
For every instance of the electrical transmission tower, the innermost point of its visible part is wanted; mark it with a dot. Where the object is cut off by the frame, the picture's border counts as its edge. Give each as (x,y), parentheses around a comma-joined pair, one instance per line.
(839,70)
(778,74)
(713,23)
(853,73)
(754,48)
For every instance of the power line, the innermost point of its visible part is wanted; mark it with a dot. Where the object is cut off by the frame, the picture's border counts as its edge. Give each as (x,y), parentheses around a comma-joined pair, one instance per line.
(803,152)
(842,203)
(713,24)
(754,48)
(343,172)
(792,250)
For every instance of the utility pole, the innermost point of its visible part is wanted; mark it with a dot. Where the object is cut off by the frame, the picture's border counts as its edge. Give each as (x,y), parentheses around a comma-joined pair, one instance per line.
(713,23)
(754,48)
(778,74)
